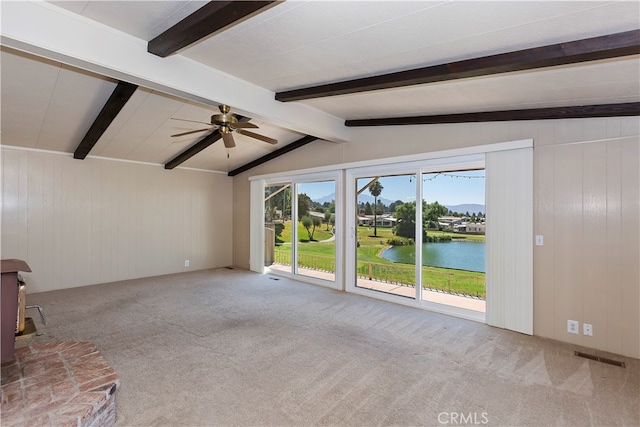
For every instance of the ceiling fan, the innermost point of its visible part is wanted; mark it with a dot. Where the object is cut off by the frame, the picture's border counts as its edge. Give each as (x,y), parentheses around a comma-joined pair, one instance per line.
(227,122)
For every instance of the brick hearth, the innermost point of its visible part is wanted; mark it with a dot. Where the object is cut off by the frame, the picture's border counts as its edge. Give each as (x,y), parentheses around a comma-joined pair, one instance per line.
(58,384)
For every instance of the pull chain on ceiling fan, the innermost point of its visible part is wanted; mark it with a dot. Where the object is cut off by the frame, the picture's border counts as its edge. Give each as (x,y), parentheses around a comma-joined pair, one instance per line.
(226,122)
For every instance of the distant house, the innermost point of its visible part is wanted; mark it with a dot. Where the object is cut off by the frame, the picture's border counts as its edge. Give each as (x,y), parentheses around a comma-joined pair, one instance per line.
(449,221)
(364,220)
(384,220)
(470,228)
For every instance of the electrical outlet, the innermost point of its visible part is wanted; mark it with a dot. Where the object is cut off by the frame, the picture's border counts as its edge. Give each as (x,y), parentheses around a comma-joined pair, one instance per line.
(186,263)
(539,240)
(587,330)
(573,327)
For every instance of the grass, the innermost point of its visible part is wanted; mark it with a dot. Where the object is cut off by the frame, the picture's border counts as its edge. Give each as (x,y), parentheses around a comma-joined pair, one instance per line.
(319,234)
(321,255)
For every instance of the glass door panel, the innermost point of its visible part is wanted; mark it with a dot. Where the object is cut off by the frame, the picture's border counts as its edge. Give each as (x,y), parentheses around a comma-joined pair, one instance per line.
(316,245)
(277,227)
(385,234)
(453,252)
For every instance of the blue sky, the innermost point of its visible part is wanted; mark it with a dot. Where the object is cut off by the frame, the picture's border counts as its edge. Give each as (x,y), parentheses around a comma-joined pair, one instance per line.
(449,188)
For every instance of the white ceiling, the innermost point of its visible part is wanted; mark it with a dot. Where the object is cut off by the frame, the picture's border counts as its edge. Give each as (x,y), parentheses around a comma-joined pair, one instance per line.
(49,105)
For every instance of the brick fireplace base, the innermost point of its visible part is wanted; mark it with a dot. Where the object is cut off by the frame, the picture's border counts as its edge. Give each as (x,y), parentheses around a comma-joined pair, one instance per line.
(58,384)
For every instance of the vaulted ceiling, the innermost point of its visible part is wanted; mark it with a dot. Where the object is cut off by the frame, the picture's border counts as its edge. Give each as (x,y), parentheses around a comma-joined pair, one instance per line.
(105,78)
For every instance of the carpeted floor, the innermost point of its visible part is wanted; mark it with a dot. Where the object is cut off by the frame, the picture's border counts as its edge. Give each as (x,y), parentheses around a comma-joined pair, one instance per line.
(233,348)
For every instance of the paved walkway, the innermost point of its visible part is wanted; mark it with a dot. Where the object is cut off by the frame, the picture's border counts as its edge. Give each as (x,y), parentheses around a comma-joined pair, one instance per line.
(406,291)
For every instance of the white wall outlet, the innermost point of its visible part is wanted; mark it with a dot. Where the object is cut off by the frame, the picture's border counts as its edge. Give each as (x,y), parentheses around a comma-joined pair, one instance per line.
(539,240)
(186,263)
(587,330)
(573,327)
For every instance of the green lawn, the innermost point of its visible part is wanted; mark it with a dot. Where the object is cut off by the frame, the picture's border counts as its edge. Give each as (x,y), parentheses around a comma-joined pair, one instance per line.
(320,255)
(319,234)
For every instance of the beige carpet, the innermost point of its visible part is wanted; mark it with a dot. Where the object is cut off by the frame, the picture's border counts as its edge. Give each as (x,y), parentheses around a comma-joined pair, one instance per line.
(230,347)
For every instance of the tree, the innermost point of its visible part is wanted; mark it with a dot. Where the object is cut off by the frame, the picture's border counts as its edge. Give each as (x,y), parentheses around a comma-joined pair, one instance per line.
(307,222)
(394,205)
(304,204)
(310,223)
(367,209)
(327,218)
(375,189)
(406,216)
(434,211)
(317,222)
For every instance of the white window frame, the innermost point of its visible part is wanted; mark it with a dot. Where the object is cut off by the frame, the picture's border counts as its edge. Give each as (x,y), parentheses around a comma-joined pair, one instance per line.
(520,297)
(417,168)
(257,224)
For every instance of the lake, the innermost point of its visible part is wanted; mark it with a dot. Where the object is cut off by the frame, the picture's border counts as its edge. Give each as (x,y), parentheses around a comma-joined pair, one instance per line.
(456,254)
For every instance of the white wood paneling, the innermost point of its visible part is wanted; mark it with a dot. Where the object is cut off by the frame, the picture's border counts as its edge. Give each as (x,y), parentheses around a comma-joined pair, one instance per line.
(629,263)
(94,221)
(509,252)
(611,230)
(594,214)
(568,268)
(588,209)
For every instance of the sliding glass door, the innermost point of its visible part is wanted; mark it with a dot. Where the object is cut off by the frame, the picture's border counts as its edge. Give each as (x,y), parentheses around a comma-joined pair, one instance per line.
(417,234)
(453,249)
(301,220)
(315,245)
(385,234)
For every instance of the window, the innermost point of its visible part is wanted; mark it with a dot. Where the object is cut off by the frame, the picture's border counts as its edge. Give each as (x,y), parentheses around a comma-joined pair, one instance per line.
(508,227)
(299,227)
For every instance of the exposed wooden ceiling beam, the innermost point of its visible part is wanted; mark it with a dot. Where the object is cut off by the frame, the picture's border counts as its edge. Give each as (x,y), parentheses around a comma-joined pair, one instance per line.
(193,150)
(110,110)
(279,152)
(210,18)
(575,112)
(595,48)
(198,146)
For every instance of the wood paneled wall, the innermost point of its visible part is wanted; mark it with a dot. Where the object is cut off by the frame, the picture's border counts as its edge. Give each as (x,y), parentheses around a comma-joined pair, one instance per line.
(588,209)
(84,222)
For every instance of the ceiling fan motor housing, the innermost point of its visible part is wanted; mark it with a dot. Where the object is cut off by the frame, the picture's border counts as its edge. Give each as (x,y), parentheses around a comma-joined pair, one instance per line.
(225,118)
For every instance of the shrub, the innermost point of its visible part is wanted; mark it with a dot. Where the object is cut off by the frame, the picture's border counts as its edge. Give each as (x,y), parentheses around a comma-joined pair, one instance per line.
(400,241)
(435,239)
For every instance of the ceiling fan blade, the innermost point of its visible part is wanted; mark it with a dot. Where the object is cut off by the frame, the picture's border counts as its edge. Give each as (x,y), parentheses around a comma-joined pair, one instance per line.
(257,136)
(191,131)
(227,138)
(192,121)
(243,125)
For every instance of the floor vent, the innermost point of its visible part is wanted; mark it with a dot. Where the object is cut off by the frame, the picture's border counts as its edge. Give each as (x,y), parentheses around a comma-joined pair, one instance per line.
(599,359)
(273,278)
